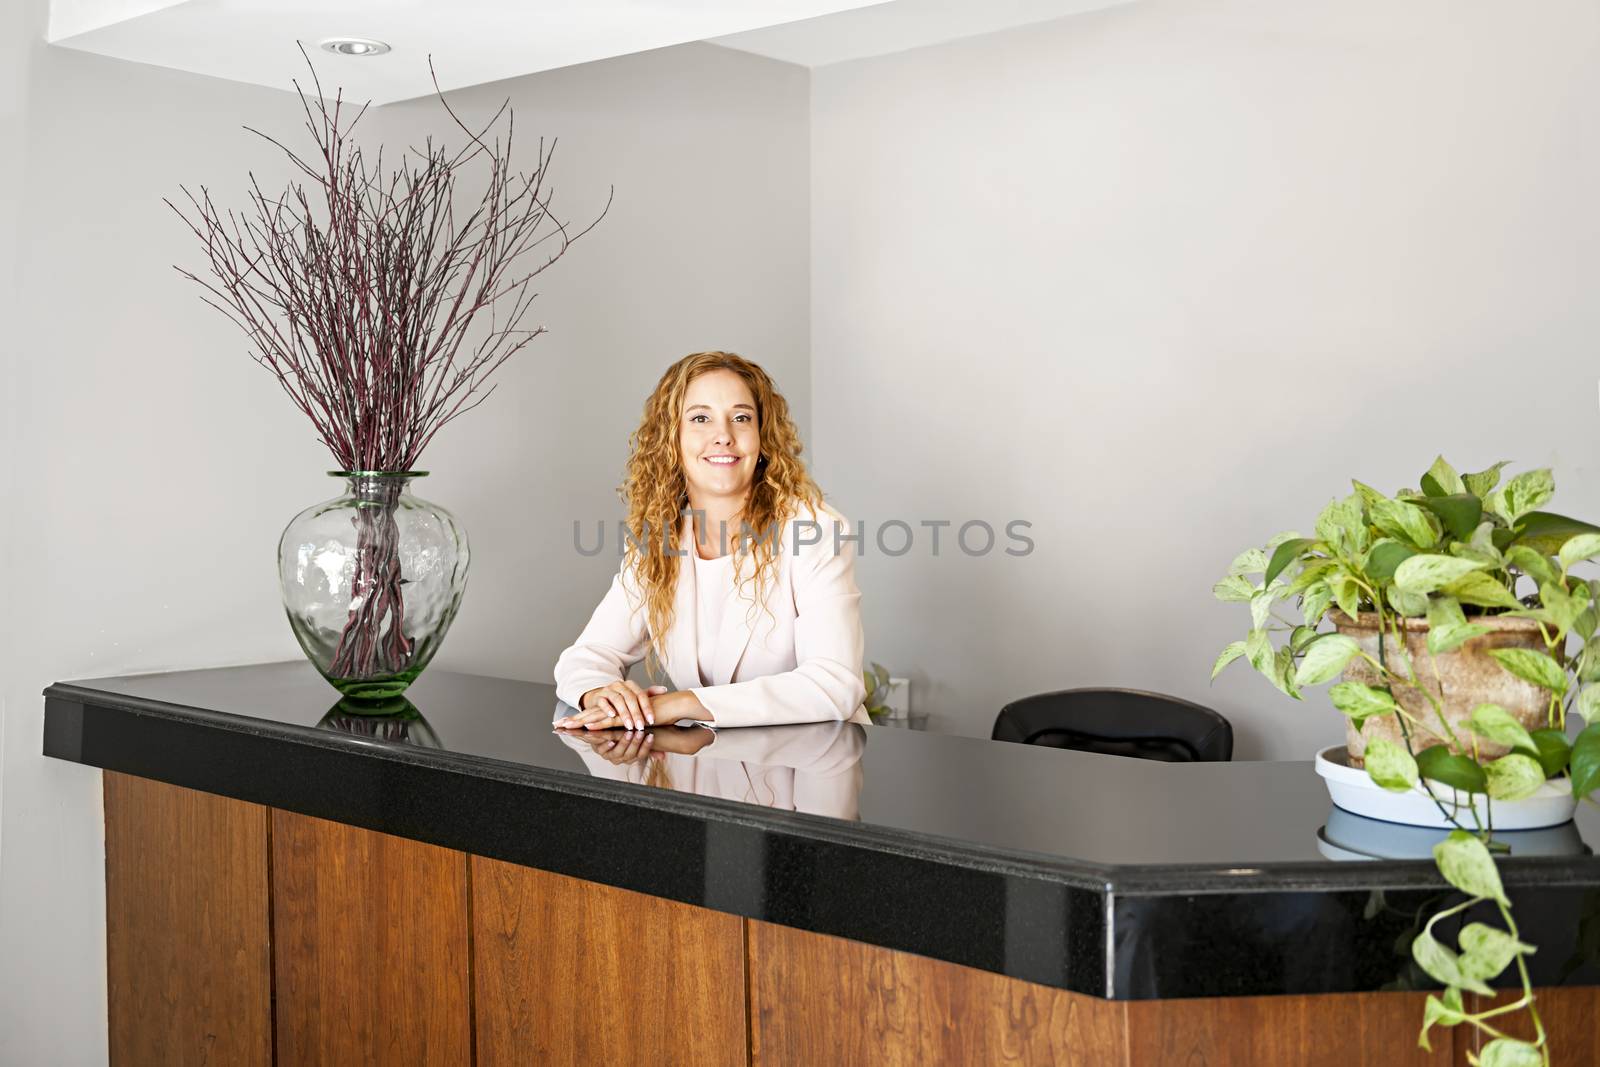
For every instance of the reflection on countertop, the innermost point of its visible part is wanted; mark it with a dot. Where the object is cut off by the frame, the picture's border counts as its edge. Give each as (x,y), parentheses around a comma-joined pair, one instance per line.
(1347,836)
(810,767)
(395,720)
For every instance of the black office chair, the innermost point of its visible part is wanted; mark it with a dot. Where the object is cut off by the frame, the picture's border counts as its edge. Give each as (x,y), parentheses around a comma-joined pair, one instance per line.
(1118,722)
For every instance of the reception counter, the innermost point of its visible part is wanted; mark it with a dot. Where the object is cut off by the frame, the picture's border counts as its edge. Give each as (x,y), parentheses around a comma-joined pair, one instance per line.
(456,883)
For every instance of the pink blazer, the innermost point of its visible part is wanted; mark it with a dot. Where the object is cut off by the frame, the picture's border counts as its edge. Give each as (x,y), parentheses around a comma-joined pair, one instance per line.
(796,660)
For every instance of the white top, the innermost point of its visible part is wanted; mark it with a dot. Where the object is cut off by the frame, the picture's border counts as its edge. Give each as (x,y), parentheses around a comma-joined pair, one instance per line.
(713,579)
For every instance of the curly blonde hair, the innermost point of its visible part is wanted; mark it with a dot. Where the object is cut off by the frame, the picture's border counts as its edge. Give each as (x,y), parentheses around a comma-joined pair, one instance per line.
(656,492)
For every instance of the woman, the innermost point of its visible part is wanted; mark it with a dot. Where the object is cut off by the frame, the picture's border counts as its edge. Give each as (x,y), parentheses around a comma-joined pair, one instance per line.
(749,600)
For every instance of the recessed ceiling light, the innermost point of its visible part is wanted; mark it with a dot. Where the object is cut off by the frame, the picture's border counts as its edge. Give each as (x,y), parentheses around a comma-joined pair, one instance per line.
(354,46)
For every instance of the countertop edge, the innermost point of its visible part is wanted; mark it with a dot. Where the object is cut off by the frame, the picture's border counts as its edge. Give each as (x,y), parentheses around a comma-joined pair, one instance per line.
(1126,881)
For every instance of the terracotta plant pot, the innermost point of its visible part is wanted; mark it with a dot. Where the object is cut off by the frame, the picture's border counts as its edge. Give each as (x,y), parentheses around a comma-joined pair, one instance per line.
(1461,679)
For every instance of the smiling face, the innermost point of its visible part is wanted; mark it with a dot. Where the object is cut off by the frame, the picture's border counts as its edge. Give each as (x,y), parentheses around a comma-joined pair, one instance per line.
(720,439)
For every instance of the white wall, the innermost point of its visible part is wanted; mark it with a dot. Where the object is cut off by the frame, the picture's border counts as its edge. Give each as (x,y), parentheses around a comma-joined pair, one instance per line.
(15,23)
(153,462)
(161,463)
(1161,279)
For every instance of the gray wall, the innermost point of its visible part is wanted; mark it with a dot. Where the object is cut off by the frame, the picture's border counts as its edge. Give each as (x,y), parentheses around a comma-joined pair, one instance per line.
(161,463)
(1161,279)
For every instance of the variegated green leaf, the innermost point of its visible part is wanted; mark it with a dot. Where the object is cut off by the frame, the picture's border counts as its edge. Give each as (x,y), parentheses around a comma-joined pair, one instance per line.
(1532,666)
(1233,589)
(1467,865)
(1385,558)
(1495,724)
(1443,965)
(1514,777)
(1486,951)
(1404,521)
(1325,658)
(1524,493)
(1510,1052)
(1437,1011)
(1531,563)
(1430,572)
(1250,561)
(1234,650)
(1411,605)
(1389,765)
(1361,702)
(1584,546)
(1483,483)
(1314,605)
(1481,590)
(1442,479)
(1448,628)
(1347,593)
(1588,704)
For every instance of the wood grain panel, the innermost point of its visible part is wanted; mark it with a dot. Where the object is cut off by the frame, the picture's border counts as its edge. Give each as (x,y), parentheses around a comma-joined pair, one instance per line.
(1329,1030)
(1571,1017)
(816,999)
(370,947)
(188,960)
(572,972)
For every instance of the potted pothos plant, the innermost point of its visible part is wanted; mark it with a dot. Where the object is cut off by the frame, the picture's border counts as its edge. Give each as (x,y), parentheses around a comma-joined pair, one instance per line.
(1463,637)
(878,684)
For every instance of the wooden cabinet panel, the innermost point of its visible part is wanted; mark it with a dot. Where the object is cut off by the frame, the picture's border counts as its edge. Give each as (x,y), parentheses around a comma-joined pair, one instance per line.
(818,999)
(1571,1016)
(188,964)
(370,947)
(389,951)
(572,972)
(1336,1030)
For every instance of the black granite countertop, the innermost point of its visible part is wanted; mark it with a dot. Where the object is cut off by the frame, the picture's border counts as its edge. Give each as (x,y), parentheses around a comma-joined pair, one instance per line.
(1117,877)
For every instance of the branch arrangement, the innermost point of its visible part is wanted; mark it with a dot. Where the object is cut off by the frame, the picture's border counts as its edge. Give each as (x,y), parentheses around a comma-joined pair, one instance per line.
(358,288)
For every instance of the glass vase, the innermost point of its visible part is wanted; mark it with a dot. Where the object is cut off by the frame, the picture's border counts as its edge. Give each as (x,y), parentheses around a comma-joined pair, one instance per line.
(371,581)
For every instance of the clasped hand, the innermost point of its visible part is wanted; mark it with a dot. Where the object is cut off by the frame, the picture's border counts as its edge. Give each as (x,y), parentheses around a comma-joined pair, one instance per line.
(625,705)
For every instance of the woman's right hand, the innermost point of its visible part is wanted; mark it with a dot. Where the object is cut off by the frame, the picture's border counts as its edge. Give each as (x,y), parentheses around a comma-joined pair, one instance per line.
(625,700)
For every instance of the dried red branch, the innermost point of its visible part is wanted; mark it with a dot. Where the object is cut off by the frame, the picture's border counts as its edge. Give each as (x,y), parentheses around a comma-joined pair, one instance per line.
(361,289)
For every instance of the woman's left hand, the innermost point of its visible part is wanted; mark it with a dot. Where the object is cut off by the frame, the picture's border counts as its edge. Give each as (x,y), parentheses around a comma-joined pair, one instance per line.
(668,708)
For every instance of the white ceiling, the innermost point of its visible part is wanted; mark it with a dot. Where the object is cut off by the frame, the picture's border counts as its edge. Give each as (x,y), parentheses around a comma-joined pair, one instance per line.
(895,27)
(476,41)
(471,41)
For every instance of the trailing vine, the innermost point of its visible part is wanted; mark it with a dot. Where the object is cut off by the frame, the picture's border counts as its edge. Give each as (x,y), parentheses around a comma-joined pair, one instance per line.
(1457,554)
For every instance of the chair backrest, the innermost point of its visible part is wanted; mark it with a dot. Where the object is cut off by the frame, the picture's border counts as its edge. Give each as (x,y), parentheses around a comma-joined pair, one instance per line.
(1118,722)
